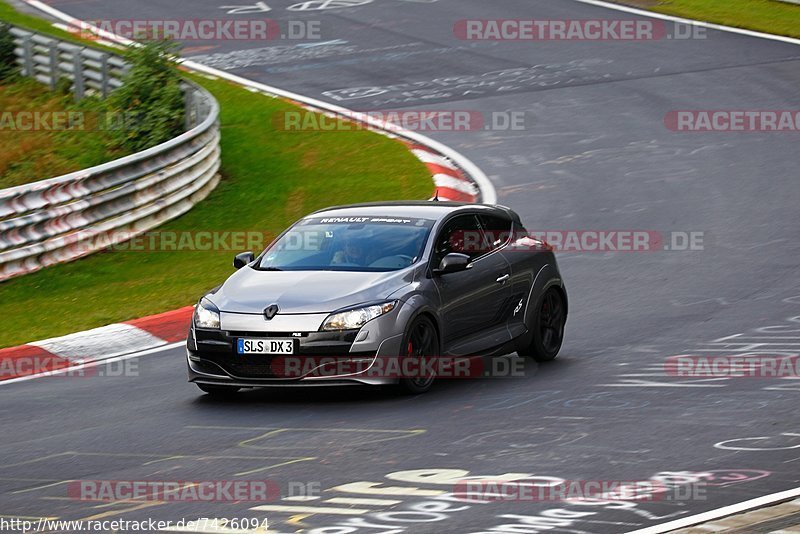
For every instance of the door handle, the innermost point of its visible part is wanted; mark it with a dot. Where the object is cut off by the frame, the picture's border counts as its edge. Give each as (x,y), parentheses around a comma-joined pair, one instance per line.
(503,278)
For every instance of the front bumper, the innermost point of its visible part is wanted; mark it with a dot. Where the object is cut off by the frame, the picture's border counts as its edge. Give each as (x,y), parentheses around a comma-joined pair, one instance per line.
(212,357)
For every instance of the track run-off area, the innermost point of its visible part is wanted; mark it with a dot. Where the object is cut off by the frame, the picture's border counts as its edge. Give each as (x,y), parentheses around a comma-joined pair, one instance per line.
(592,149)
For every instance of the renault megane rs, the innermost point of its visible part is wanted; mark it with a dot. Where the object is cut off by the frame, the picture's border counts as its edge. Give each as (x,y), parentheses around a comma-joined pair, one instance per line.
(347,289)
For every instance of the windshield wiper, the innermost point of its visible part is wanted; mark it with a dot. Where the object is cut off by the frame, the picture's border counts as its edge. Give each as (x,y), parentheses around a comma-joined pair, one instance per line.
(269,269)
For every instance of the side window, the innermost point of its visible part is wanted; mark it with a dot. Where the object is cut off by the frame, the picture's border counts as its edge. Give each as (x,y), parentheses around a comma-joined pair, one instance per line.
(497,231)
(463,235)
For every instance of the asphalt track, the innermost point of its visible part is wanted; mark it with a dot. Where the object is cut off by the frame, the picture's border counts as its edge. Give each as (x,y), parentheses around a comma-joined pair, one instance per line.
(594,155)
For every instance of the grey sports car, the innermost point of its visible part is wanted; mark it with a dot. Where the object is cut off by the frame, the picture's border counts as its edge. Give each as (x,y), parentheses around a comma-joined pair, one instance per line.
(391,293)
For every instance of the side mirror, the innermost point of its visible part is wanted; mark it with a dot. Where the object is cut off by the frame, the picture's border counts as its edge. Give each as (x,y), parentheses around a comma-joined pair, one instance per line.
(453,263)
(243,259)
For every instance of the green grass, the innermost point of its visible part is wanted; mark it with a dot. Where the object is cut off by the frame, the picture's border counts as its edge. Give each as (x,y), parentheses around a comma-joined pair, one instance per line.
(34,154)
(769,16)
(270,179)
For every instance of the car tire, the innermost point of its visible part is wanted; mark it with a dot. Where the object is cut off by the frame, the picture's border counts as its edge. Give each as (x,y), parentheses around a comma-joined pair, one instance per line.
(547,327)
(218,391)
(420,340)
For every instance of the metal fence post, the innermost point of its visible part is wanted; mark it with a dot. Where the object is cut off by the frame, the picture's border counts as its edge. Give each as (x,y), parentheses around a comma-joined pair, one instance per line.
(77,72)
(27,51)
(190,107)
(53,64)
(104,72)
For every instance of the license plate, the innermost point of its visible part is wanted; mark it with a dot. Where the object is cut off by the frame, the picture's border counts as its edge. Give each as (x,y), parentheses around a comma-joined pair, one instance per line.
(265,346)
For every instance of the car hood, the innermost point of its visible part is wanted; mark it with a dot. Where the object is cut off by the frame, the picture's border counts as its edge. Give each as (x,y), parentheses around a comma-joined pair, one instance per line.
(250,291)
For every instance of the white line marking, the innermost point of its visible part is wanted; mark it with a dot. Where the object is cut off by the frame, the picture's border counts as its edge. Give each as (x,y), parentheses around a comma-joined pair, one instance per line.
(709,25)
(723,444)
(636,383)
(754,337)
(37,488)
(746,343)
(323,43)
(210,526)
(725,511)
(745,349)
(310,509)
(632,375)
(89,365)
(363,502)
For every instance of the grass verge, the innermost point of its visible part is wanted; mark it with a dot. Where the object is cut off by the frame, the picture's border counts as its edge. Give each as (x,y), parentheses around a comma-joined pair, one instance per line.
(47,149)
(768,16)
(270,178)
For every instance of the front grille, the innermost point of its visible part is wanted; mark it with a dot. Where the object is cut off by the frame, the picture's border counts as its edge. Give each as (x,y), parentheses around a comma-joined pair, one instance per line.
(266,367)
(250,370)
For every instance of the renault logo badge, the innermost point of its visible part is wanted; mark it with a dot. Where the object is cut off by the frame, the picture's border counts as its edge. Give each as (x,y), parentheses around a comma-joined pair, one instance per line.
(270,312)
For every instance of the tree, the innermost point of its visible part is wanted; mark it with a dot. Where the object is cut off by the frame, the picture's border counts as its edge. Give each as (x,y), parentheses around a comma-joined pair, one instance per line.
(8,60)
(150,99)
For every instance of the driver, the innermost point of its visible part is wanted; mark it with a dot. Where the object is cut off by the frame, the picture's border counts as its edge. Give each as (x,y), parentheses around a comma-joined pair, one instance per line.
(353,253)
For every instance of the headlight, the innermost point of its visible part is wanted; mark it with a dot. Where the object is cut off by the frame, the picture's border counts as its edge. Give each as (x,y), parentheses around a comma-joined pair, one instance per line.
(356,318)
(206,315)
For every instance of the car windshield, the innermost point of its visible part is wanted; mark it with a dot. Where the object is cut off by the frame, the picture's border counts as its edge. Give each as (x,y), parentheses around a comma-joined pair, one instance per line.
(364,243)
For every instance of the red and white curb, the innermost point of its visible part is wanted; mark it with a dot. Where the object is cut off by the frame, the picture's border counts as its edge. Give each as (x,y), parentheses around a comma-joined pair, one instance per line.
(95,345)
(450,181)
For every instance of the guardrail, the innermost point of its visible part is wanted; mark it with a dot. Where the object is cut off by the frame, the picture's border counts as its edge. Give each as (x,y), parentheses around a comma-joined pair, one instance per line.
(50,60)
(67,217)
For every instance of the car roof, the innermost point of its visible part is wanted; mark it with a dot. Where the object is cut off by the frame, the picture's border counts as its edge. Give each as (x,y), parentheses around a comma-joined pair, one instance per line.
(423,209)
